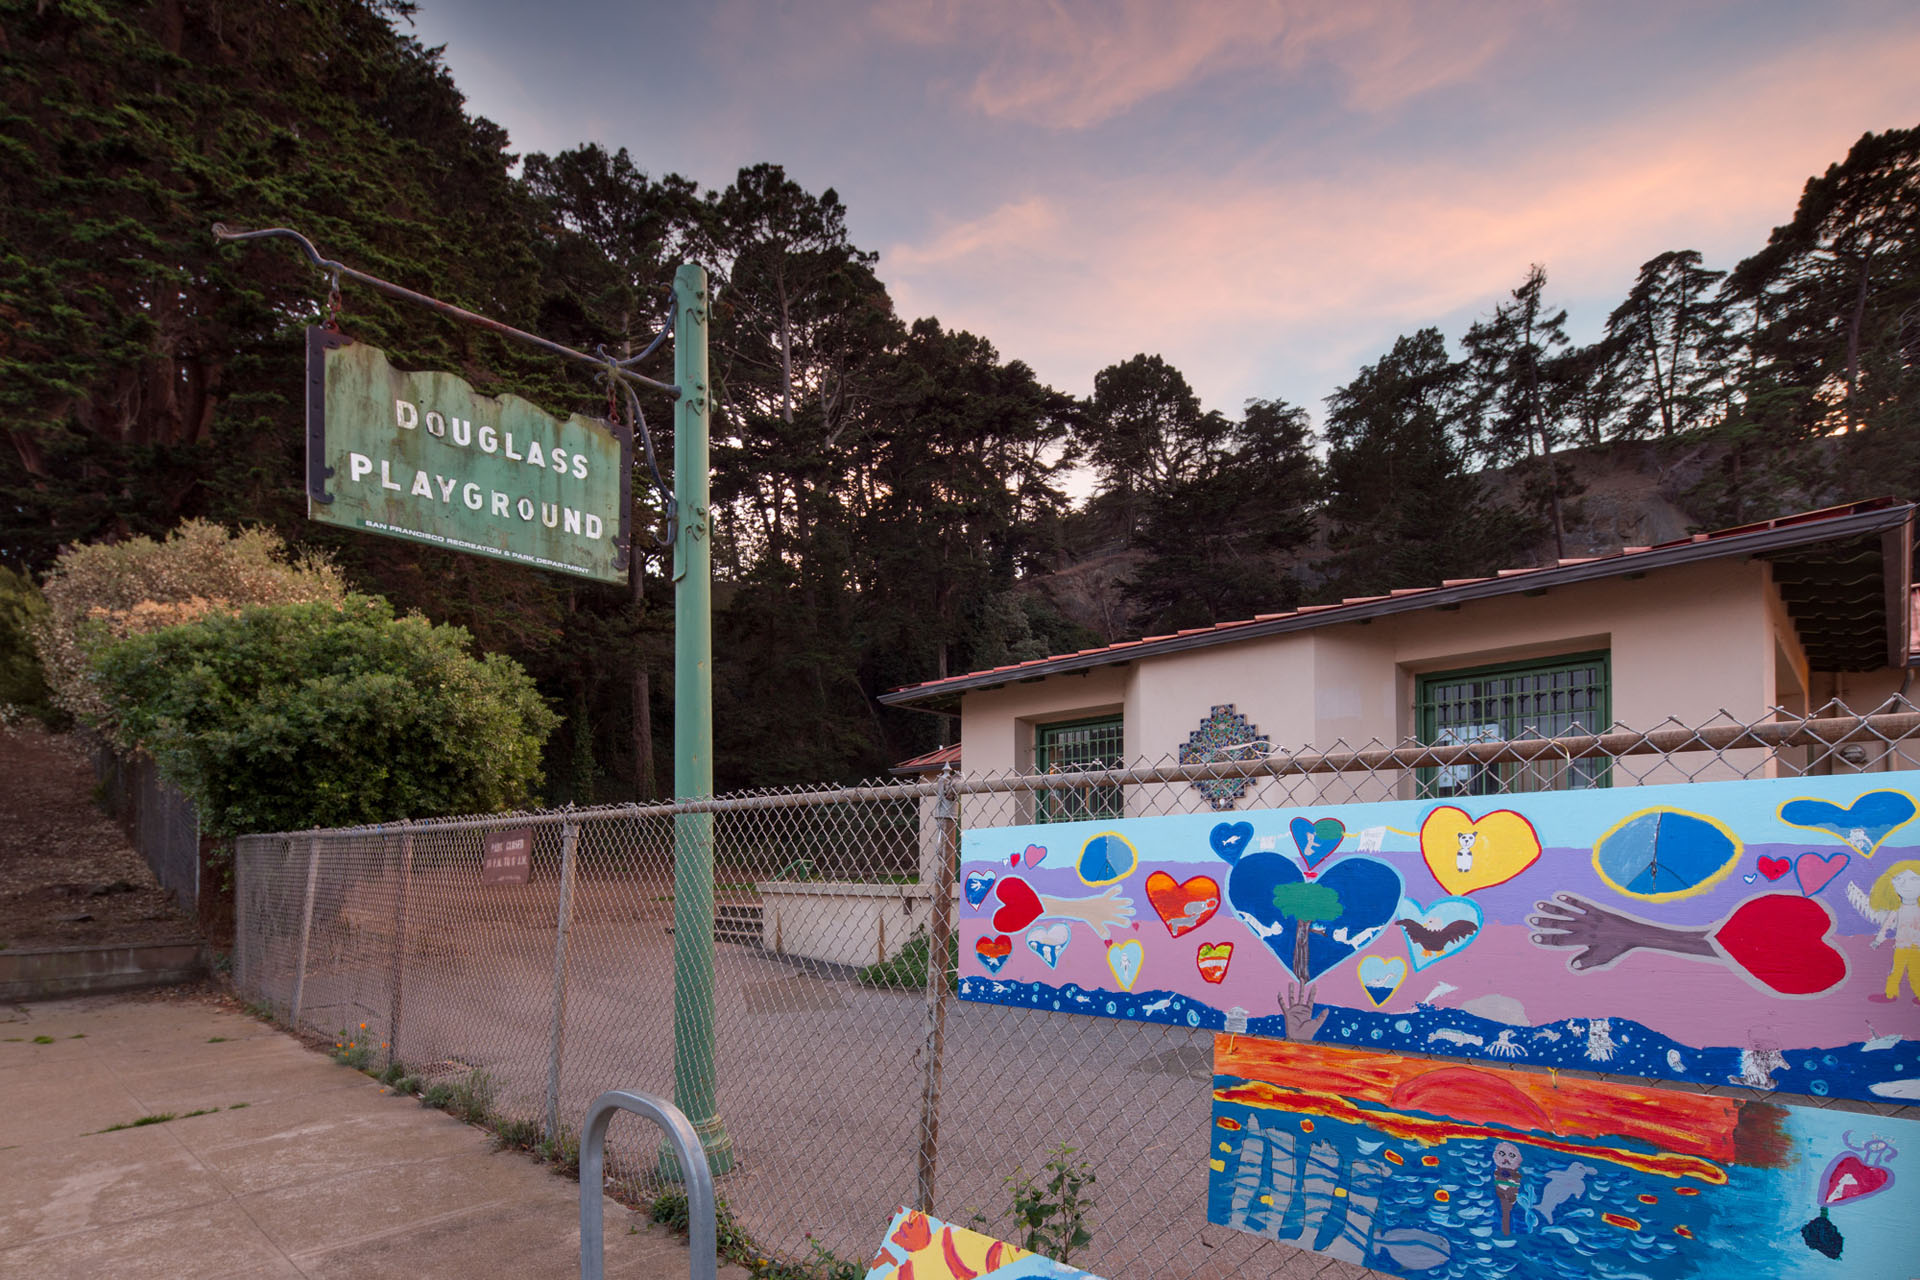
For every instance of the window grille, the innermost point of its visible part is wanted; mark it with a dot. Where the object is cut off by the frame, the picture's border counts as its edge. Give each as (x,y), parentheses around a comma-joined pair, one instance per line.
(1073,747)
(1546,699)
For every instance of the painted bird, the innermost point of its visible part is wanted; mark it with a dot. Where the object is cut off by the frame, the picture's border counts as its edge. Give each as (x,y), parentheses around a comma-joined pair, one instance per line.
(1434,941)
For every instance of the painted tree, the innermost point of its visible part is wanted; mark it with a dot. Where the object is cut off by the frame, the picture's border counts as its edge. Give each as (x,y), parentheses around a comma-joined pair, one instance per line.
(1310,905)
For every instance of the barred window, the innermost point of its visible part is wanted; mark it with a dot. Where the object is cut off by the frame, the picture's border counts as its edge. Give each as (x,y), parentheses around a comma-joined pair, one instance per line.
(1547,699)
(1073,747)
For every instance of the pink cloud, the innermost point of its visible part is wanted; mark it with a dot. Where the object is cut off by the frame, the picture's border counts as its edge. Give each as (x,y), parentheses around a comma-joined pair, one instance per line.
(1231,275)
(1075,63)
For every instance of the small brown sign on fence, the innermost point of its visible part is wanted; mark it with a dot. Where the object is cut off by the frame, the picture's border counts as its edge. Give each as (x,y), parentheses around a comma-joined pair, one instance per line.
(508,858)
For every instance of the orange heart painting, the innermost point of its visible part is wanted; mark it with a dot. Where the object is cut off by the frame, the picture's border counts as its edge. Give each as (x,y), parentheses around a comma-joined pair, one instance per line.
(1183,907)
(1466,853)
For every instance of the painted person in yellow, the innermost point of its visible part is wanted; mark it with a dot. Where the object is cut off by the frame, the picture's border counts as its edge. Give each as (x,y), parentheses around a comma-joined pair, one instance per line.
(1894,905)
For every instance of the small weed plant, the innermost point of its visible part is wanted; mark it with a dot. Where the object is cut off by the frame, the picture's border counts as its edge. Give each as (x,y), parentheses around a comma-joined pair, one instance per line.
(354,1048)
(516,1133)
(562,1151)
(669,1209)
(1053,1212)
(469,1099)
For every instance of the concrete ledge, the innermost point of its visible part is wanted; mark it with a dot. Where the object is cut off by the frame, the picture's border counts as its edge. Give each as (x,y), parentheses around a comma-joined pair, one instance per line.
(42,973)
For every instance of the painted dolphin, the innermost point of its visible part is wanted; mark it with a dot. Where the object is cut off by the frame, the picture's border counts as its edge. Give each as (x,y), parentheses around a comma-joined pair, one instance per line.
(1563,1185)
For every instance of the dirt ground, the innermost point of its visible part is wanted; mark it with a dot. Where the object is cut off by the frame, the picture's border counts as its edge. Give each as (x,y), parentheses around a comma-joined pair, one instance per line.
(68,875)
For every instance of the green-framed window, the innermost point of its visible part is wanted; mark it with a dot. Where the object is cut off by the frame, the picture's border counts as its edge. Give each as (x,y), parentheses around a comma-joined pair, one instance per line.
(1551,698)
(1077,746)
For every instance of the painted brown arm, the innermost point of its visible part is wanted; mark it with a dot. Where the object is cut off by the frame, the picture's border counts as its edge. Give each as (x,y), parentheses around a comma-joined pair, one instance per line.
(1603,936)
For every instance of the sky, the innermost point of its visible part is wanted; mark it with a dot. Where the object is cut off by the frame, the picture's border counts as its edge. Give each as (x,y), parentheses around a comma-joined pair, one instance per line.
(1265,192)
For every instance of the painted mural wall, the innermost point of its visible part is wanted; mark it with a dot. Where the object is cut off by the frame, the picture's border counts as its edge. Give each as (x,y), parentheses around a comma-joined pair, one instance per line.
(1433,1169)
(919,1246)
(1762,932)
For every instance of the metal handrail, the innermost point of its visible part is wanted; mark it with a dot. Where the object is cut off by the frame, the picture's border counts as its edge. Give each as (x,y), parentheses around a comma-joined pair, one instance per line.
(695,1175)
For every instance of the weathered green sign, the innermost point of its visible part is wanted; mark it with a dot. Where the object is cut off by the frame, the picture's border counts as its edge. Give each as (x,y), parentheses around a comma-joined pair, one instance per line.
(422,456)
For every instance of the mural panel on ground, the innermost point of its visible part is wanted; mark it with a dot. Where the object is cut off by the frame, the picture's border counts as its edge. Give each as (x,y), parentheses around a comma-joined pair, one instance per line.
(918,1246)
(1433,1169)
(1761,932)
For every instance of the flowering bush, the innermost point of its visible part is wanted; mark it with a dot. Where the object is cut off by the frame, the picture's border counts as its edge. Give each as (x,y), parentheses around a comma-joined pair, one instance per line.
(107,591)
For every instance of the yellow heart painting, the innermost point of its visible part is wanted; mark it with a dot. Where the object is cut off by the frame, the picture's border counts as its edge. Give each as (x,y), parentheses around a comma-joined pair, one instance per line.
(1466,853)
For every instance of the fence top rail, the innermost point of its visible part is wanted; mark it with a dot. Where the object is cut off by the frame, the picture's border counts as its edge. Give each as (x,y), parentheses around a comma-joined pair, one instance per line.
(1821,730)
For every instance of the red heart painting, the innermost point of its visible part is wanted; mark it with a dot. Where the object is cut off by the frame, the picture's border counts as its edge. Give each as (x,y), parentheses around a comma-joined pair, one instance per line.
(1774,868)
(1780,938)
(1850,1178)
(1019,905)
(1183,907)
(998,948)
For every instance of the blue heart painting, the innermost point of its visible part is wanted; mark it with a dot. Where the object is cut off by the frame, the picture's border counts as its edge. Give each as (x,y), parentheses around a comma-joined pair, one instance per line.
(1862,825)
(1316,840)
(1230,839)
(979,885)
(1343,908)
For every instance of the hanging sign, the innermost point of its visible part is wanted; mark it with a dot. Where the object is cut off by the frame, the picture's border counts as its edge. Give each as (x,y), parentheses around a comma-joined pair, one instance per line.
(422,456)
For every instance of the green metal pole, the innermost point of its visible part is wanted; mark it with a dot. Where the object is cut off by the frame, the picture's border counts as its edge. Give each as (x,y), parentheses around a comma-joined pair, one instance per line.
(693,1067)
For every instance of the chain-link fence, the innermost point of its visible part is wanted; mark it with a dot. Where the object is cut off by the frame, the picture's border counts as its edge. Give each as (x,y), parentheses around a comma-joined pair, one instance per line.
(158,818)
(849,1079)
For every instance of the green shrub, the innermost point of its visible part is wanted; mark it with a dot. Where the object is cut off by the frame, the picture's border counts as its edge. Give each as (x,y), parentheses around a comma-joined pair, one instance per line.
(282,717)
(907,971)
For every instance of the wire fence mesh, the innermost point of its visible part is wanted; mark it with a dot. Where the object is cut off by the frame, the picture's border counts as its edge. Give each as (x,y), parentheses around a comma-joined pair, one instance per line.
(159,819)
(849,1078)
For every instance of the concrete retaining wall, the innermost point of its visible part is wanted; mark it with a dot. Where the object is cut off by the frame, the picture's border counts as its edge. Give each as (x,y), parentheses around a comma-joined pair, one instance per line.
(45,972)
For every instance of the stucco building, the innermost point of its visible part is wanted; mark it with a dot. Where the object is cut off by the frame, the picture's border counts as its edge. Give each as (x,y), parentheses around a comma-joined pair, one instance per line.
(1790,613)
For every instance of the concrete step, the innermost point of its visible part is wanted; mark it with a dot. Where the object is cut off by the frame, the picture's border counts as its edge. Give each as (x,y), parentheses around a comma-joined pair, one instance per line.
(737,922)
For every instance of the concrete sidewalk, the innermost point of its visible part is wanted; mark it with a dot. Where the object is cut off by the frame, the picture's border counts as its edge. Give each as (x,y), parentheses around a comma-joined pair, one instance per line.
(300,1166)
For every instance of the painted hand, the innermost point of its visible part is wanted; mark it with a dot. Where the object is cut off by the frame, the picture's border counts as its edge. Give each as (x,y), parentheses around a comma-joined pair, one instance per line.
(1103,912)
(1604,936)
(1296,1005)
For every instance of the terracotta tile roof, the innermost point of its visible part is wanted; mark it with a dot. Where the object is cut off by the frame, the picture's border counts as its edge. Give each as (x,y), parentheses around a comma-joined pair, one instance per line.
(1805,527)
(932,762)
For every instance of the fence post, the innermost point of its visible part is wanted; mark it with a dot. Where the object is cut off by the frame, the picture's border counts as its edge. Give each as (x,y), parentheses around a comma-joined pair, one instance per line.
(946,818)
(400,940)
(306,931)
(569,842)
